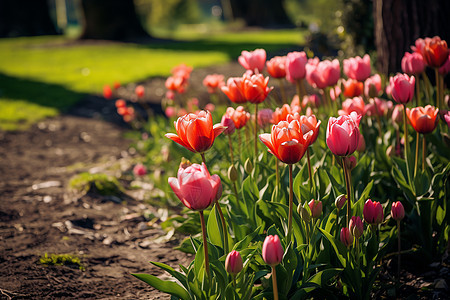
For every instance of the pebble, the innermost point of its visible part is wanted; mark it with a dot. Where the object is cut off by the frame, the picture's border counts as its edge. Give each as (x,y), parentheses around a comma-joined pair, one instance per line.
(108,241)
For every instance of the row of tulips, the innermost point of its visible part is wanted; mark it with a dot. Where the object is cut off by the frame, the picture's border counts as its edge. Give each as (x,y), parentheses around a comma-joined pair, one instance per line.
(291,222)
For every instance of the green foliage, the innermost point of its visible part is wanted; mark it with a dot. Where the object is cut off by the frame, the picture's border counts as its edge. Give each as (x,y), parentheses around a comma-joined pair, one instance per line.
(97,183)
(61,260)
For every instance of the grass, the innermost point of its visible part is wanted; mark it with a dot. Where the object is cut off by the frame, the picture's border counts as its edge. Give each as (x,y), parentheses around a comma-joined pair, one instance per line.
(41,76)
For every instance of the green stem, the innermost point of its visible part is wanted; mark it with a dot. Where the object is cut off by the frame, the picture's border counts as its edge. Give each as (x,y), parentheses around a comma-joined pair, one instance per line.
(256,132)
(347,186)
(239,140)
(231,149)
(277,174)
(417,91)
(299,84)
(205,243)
(234,280)
(291,203)
(405,125)
(274,283)
(224,226)
(424,153)
(399,250)
(427,84)
(417,154)
(283,93)
(438,88)
(203,157)
(311,179)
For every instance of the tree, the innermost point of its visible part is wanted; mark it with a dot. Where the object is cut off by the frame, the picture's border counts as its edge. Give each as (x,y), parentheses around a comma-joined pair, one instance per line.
(25,18)
(111,20)
(398,23)
(260,12)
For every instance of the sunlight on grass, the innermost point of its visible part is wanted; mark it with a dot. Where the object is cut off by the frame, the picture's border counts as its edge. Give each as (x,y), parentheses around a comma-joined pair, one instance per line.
(20,114)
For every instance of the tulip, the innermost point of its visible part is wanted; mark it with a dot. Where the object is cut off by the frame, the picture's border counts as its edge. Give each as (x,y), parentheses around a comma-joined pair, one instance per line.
(107,92)
(196,131)
(213,82)
(139,170)
(296,66)
(357,68)
(372,86)
(140,90)
(445,69)
(307,124)
(316,208)
(346,237)
(376,107)
(326,73)
(361,143)
(239,116)
(265,116)
(272,251)
(350,162)
(355,104)
(335,92)
(195,187)
(423,119)
(402,88)
(235,90)
(397,211)
(176,83)
(413,63)
(181,71)
(310,100)
(356,227)
(280,114)
(255,88)
(435,52)
(343,134)
(373,212)
(116,85)
(340,201)
(120,103)
(253,60)
(277,67)
(397,114)
(233,263)
(447,119)
(352,88)
(210,107)
(287,141)
(229,124)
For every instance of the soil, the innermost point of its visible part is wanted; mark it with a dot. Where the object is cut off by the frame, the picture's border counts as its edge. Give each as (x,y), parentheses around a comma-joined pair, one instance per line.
(111,237)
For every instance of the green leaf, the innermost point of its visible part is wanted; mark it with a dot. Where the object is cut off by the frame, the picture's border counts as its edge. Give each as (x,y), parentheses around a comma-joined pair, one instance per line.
(180,277)
(168,287)
(322,277)
(357,208)
(337,247)
(214,228)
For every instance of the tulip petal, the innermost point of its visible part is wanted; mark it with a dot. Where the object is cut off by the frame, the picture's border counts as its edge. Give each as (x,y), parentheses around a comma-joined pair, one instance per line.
(177,139)
(266,138)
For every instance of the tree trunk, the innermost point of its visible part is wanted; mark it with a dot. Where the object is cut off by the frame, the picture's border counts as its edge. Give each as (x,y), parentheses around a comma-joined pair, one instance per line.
(111,20)
(398,23)
(25,18)
(262,13)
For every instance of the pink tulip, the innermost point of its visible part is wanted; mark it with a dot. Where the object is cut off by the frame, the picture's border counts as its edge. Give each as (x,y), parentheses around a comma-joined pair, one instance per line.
(325,73)
(139,170)
(265,116)
(413,63)
(343,134)
(402,88)
(372,86)
(253,60)
(233,262)
(357,68)
(140,91)
(228,123)
(376,107)
(213,82)
(296,66)
(195,187)
(445,69)
(310,100)
(277,67)
(346,237)
(340,201)
(397,114)
(356,227)
(316,208)
(397,211)
(361,143)
(335,92)
(272,251)
(447,119)
(373,212)
(349,105)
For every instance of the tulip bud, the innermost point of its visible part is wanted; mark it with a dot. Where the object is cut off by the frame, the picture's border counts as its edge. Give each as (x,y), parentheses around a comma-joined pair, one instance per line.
(272,251)
(184,163)
(340,201)
(356,227)
(361,144)
(248,166)
(304,214)
(373,212)
(397,211)
(232,173)
(350,162)
(346,237)
(139,170)
(316,208)
(233,263)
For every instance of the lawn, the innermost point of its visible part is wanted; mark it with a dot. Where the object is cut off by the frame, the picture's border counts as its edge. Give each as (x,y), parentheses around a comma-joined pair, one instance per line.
(41,76)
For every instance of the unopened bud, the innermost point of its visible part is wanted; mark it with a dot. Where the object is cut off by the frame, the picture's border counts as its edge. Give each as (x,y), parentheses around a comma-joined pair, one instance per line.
(232,173)
(340,201)
(304,214)
(185,163)
(248,166)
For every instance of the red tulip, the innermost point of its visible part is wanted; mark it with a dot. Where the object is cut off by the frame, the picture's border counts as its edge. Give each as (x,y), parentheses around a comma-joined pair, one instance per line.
(287,142)
(373,212)
(349,105)
(116,85)
(255,88)
(402,88)
(325,73)
(413,63)
(397,211)
(253,60)
(176,83)
(181,71)
(140,90)
(196,132)
(280,114)
(213,82)
(343,134)
(272,251)
(195,187)
(235,90)
(357,68)
(107,92)
(423,119)
(296,66)
(346,237)
(307,124)
(120,103)
(356,227)
(435,52)
(239,116)
(276,67)
(352,88)
(139,170)
(316,208)
(372,86)
(233,262)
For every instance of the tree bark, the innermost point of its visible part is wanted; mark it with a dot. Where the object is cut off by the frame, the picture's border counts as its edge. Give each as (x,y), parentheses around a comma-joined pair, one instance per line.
(398,23)
(25,18)
(263,13)
(111,20)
